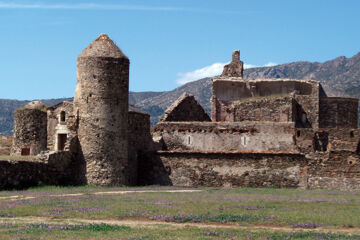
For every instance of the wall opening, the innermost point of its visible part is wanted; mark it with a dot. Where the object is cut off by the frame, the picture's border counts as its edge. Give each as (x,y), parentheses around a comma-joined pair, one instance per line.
(62,116)
(25,151)
(351,134)
(61,141)
(321,140)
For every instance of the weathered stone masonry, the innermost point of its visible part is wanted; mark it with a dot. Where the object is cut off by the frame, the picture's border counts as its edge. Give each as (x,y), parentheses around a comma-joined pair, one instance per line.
(280,132)
(101,102)
(30,129)
(263,132)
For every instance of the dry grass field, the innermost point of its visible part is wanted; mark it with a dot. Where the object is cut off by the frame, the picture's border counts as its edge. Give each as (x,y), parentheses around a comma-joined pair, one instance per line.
(178,213)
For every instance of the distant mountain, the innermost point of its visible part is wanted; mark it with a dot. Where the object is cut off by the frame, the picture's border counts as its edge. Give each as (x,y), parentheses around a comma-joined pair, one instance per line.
(340,77)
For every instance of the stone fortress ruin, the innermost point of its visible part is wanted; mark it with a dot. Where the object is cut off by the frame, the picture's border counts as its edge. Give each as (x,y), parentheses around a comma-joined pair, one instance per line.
(262,132)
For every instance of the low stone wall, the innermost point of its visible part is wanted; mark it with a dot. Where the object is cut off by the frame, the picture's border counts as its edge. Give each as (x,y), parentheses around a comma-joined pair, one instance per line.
(334,170)
(340,170)
(223,169)
(60,169)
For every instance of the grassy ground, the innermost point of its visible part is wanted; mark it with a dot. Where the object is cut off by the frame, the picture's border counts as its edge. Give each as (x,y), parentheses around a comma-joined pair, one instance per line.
(211,213)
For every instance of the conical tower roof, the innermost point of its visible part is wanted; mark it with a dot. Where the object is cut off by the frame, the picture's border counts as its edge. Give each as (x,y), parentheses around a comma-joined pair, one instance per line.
(103,46)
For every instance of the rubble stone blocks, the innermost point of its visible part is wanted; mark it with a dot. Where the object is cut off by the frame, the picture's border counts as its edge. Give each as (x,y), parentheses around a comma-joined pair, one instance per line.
(30,129)
(186,109)
(235,68)
(101,103)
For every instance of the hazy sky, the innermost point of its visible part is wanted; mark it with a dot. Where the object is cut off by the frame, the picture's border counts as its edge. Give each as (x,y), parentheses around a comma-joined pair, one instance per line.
(168,42)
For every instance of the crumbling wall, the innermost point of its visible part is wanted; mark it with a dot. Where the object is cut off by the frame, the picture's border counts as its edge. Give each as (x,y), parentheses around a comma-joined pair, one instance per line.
(227,136)
(227,90)
(327,140)
(338,112)
(29,131)
(60,168)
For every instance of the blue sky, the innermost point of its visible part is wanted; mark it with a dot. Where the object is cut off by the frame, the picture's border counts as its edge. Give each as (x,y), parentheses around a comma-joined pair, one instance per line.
(169,42)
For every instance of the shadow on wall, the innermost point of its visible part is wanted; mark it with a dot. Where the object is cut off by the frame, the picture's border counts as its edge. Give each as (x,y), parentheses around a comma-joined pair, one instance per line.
(301,119)
(152,171)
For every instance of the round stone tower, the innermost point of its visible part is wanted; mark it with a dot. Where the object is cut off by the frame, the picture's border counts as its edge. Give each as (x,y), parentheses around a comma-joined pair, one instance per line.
(30,129)
(101,105)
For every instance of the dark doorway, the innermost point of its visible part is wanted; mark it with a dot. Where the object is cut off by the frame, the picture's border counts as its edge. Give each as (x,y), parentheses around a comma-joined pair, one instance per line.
(25,151)
(61,141)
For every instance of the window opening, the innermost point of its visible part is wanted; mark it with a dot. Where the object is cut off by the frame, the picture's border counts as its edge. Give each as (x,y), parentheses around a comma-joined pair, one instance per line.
(62,116)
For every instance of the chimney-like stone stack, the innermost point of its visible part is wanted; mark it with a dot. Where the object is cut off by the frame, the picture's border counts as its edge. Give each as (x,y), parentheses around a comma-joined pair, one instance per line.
(235,68)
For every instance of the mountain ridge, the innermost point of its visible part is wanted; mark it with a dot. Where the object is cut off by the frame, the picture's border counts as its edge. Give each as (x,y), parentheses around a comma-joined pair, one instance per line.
(339,77)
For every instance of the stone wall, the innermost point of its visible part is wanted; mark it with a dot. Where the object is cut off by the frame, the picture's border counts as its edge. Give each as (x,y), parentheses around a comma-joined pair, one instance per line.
(340,170)
(60,169)
(227,136)
(29,131)
(227,90)
(334,170)
(272,108)
(327,140)
(224,169)
(139,141)
(338,112)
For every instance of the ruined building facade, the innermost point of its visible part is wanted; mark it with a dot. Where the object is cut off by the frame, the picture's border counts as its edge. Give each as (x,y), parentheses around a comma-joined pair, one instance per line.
(262,132)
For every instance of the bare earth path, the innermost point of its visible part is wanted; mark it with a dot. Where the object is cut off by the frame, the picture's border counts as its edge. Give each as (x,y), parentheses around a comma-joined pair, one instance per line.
(20,197)
(136,223)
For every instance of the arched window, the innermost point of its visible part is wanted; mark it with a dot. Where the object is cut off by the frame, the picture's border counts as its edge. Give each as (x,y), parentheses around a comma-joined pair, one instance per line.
(62,116)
